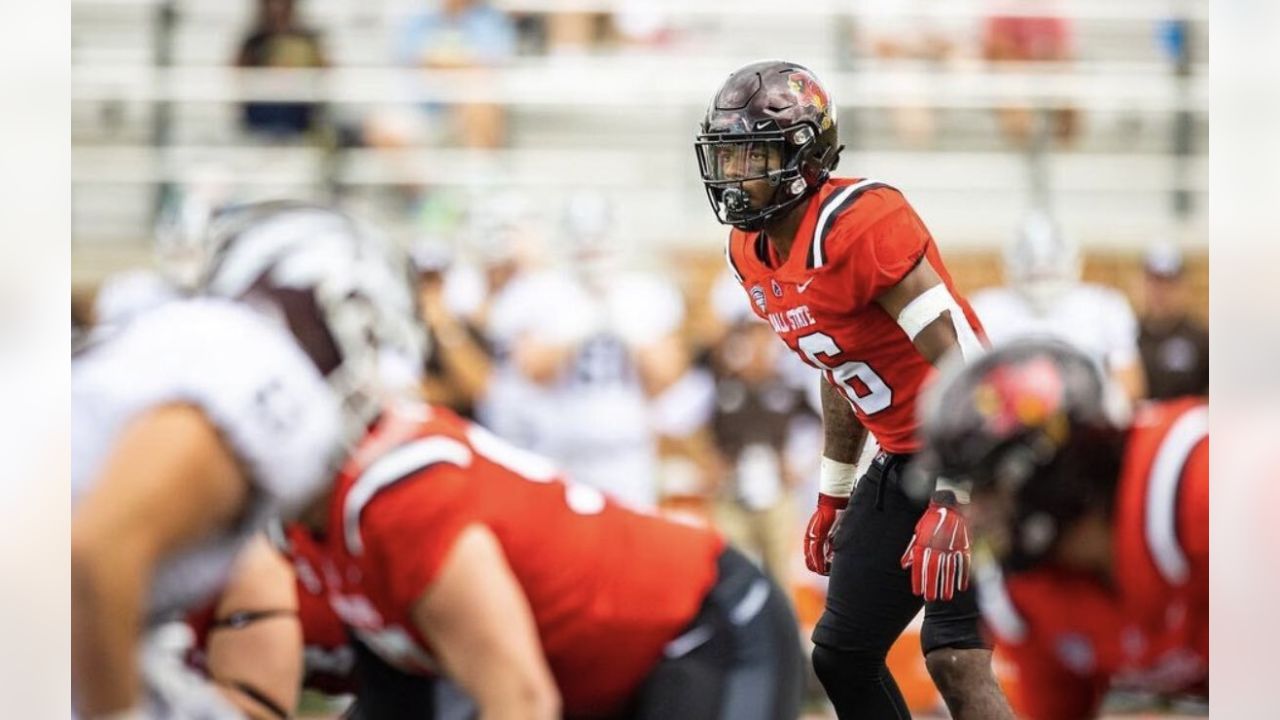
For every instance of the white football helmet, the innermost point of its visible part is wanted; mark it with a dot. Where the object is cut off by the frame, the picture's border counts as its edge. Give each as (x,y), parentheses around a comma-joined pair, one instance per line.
(1041,262)
(344,292)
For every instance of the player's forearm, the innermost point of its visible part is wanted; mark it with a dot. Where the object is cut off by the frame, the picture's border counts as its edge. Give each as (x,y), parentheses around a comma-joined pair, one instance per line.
(106,600)
(842,434)
(513,700)
(259,663)
(505,685)
(251,708)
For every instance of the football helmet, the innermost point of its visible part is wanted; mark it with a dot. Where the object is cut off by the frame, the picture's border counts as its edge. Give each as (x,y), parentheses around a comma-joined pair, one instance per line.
(771,121)
(1041,262)
(344,292)
(1034,428)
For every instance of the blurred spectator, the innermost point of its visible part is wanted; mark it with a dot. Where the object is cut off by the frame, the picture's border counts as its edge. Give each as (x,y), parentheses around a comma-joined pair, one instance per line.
(1174,346)
(462,34)
(571,33)
(917,41)
(279,41)
(1044,296)
(1012,38)
(755,408)
(583,352)
(730,308)
(459,363)
(577,33)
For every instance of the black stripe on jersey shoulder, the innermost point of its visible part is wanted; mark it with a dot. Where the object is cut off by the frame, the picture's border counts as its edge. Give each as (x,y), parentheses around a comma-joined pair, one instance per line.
(845,201)
(762,248)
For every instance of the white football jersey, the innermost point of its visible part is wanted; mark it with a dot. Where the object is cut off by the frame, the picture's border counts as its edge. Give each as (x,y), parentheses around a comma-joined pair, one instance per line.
(254,384)
(126,295)
(1096,319)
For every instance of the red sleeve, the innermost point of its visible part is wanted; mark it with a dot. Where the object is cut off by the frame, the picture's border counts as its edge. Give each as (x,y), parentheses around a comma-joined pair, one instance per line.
(1048,691)
(409,530)
(876,256)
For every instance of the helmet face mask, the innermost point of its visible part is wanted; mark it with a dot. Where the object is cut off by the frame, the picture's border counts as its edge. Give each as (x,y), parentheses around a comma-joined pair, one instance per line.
(767,142)
(752,178)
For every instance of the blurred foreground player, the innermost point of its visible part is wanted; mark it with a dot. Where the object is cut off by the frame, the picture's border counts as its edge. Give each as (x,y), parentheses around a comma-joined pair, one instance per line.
(444,549)
(850,279)
(1092,530)
(201,419)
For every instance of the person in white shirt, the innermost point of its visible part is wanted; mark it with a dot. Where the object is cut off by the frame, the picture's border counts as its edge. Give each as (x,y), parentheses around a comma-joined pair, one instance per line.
(201,419)
(593,346)
(1044,296)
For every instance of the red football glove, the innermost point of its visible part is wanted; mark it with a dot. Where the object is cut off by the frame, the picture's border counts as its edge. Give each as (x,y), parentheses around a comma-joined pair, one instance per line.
(938,553)
(817,537)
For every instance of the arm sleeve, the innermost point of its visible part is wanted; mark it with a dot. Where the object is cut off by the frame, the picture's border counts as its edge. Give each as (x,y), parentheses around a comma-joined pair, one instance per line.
(875,257)
(409,530)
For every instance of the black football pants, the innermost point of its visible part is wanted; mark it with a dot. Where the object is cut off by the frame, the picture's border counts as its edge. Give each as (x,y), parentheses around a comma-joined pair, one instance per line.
(870,603)
(739,659)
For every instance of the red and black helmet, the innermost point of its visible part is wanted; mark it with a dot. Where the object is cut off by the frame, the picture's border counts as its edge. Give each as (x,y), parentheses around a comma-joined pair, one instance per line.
(1038,432)
(771,120)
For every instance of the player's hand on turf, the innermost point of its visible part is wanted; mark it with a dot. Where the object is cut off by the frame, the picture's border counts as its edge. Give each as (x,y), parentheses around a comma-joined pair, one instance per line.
(938,554)
(817,537)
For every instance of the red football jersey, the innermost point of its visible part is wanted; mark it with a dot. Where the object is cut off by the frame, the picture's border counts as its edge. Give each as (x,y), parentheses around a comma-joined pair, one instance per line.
(858,238)
(1071,636)
(609,588)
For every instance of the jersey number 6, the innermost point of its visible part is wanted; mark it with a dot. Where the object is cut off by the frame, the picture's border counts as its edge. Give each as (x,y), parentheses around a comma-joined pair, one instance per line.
(878,395)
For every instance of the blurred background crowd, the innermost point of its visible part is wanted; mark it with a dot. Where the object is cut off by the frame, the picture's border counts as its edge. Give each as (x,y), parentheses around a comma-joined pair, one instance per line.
(536,156)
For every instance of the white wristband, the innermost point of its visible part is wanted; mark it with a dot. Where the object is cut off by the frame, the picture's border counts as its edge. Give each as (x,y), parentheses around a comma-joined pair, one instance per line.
(836,478)
(961,490)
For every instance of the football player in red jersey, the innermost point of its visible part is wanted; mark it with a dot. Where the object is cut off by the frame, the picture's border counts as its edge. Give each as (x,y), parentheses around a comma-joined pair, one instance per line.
(1091,529)
(443,549)
(848,276)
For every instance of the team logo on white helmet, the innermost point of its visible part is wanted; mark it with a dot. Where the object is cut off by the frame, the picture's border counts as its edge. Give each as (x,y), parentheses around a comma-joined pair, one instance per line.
(344,291)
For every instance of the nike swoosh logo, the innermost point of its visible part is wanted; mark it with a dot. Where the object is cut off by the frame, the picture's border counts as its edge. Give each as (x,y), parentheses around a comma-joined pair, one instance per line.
(804,285)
